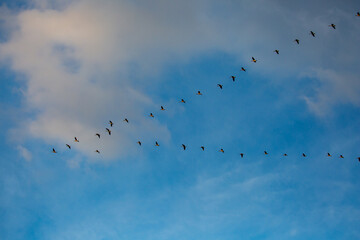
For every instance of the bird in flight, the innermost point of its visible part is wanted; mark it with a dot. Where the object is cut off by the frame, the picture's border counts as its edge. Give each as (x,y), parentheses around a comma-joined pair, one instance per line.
(157,144)
(233,78)
(276,51)
(111,123)
(265,152)
(333,26)
(184,147)
(182,100)
(341,156)
(359,159)
(68,146)
(303,155)
(358,14)
(162,108)
(126,120)
(297,41)
(139,143)
(108,130)
(221,150)
(241,155)
(243,69)
(54,150)
(329,155)
(220,86)
(98,135)
(285,155)
(253,59)
(199,93)
(97,151)
(202,147)
(75,139)
(151,115)
(312,33)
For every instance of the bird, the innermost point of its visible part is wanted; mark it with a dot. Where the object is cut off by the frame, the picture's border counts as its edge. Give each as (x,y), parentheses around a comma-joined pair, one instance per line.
(108,130)
(182,100)
(76,140)
(202,147)
(265,152)
(126,120)
(297,41)
(199,93)
(241,155)
(333,26)
(162,108)
(68,146)
(359,159)
(221,150)
(151,115)
(243,69)
(341,156)
(328,154)
(97,151)
(276,51)
(53,150)
(303,155)
(358,14)
(233,78)
(253,59)
(111,123)
(285,155)
(139,143)
(98,135)
(220,86)
(184,147)
(157,144)
(312,33)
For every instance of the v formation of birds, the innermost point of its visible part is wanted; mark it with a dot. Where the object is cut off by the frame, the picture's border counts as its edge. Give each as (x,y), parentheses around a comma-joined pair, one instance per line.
(183,146)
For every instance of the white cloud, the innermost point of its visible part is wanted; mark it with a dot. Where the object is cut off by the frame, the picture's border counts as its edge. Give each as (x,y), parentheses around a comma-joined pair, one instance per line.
(24,153)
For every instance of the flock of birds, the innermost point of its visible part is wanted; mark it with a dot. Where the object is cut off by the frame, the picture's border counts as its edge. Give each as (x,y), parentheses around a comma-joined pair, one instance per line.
(297,41)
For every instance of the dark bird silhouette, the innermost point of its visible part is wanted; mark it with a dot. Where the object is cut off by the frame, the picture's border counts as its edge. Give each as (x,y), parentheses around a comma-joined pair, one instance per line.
(328,154)
(220,86)
(68,146)
(285,155)
(333,26)
(108,130)
(312,33)
(184,147)
(359,159)
(277,51)
(297,41)
(253,59)
(241,155)
(139,143)
(198,93)
(162,108)
(233,78)
(265,152)
(54,150)
(75,139)
(303,155)
(182,100)
(243,69)
(221,150)
(98,135)
(151,115)
(126,120)
(202,147)
(157,144)
(358,14)
(341,156)
(111,123)
(97,151)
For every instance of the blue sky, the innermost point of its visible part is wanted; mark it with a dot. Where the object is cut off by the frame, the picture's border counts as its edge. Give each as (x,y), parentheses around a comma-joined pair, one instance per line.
(68,67)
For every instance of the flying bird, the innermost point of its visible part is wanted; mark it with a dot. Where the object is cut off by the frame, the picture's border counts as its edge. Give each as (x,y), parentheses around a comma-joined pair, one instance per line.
(221,150)
(328,154)
(243,69)
(312,33)
(75,139)
(233,78)
(297,41)
(68,146)
(151,115)
(97,151)
(199,93)
(277,51)
(358,14)
(285,155)
(98,135)
(359,159)
(220,86)
(108,130)
(126,120)
(253,59)
(341,156)
(202,147)
(162,108)
(182,100)
(333,26)
(111,123)
(54,151)
(265,152)
(184,147)
(139,143)
(241,155)
(303,155)
(157,144)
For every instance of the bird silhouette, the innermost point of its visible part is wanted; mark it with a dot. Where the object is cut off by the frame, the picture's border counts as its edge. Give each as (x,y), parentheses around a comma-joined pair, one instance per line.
(108,130)
(68,146)
(220,86)
(184,147)
(253,59)
(341,156)
(162,108)
(358,14)
(198,93)
(303,155)
(111,123)
(221,150)
(241,155)
(157,144)
(333,26)
(53,150)
(265,152)
(75,139)
(139,143)
(126,120)
(285,155)
(297,41)
(276,51)
(151,115)
(233,78)
(182,100)
(312,33)
(359,159)
(202,147)
(98,135)
(243,69)
(97,151)
(328,154)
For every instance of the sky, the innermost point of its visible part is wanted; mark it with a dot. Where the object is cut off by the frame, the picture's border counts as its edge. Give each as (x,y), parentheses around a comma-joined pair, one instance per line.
(68,67)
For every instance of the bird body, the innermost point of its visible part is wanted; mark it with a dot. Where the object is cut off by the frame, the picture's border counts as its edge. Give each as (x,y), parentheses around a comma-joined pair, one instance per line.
(265,152)
(151,115)
(358,14)
(304,155)
(328,154)
(98,135)
(184,147)
(297,41)
(202,147)
(198,93)
(53,150)
(108,130)
(111,123)
(253,59)
(233,78)
(68,146)
(276,51)
(221,150)
(285,155)
(75,139)
(157,144)
(333,26)
(139,143)
(243,69)
(341,156)
(312,33)
(97,151)
(220,86)
(126,120)
(241,155)
(182,100)
(162,108)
